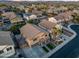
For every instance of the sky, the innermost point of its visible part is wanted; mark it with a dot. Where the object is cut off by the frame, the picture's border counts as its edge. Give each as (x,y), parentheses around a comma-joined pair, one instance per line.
(39,0)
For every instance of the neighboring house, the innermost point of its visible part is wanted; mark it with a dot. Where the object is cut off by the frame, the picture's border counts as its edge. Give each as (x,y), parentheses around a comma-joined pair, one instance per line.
(29,16)
(21,7)
(26,16)
(62,8)
(6,44)
(33,17)
(16,20)
(47,25)
(50,10)
(52,19)
(9,15)
(34,35)
(12,17)
(50,27)
(58,10)
(63,17)
(76,11)
(3,8)
(36,12)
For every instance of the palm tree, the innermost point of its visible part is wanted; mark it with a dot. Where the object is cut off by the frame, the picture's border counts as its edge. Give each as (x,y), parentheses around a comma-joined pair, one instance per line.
(56,31)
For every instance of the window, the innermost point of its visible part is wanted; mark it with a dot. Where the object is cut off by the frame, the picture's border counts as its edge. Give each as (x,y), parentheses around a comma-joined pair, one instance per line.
(45,35)
(1,51)
(9,48)
(35,39)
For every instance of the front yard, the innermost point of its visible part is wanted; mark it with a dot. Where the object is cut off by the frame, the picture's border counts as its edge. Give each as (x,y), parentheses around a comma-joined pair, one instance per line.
(45,49)
(51,46)
(48,47)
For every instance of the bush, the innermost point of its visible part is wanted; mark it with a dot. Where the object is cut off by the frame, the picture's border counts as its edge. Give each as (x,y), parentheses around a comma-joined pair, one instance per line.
(50,46)
(45,49)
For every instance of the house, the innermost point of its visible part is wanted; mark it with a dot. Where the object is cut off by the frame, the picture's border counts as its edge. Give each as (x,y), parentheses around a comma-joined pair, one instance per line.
(50,8)
(12,17)
(76,11)
(21,7)
(6,44)
(9,15)
(52,28)
(36,12)
(26,16)
(34,35)
(47,25)
(58,10)
(29,16)
(3,9)
(63,8)
(52,19)
(17,19)
(26,10)
(64,17)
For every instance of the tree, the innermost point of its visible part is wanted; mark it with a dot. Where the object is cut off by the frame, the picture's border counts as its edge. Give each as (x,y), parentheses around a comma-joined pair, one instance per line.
(75,18)
(56,31)
(33,21)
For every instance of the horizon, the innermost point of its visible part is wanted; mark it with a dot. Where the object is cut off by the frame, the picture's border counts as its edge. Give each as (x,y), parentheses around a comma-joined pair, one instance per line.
(40,0)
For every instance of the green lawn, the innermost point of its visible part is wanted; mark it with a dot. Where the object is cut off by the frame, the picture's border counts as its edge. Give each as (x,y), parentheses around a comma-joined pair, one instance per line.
(45,49)
(50,46)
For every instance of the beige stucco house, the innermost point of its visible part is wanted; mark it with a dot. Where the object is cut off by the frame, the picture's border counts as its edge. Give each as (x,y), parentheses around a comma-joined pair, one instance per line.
(48,25)
(64,17)
(13,18)
(52,28)
(34,35)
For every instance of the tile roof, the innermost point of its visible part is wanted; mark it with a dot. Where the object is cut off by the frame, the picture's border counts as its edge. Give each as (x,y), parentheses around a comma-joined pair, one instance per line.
(5,38)
(64,15)
(47,24)
(9,15)
(29,30)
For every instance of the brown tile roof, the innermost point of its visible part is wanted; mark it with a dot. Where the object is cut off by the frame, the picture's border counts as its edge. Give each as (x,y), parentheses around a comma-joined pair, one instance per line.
(36,12)
(29,30)
(9,15)
(63,16)
(47,24)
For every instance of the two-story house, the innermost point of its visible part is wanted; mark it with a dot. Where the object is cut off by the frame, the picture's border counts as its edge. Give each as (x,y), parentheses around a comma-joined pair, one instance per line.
(34,34)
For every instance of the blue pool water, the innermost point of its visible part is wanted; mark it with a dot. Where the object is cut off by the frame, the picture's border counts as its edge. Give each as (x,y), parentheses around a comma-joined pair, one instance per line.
(70,50)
